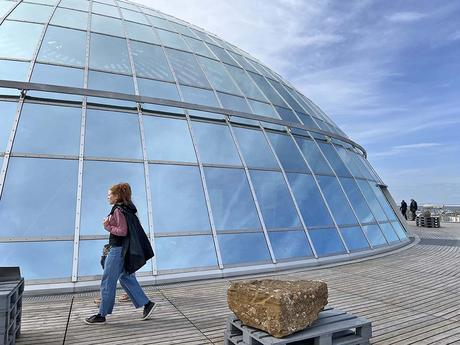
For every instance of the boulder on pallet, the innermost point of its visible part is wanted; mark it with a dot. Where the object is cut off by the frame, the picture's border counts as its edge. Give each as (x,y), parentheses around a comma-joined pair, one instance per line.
(278,307)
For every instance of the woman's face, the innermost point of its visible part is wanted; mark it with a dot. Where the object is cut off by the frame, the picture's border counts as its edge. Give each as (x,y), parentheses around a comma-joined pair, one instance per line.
(111,198)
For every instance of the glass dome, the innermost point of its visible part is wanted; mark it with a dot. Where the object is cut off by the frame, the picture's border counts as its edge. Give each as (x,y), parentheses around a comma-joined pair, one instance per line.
(233,170)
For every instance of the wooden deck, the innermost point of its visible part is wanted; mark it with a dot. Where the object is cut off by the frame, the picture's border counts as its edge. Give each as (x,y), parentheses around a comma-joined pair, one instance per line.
(411,297)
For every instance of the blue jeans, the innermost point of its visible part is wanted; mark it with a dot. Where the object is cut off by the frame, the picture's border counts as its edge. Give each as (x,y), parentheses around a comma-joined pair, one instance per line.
(113,271)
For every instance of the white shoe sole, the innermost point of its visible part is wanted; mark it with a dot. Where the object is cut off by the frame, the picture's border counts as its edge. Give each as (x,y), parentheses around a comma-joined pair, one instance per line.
(151,311)
(95,323)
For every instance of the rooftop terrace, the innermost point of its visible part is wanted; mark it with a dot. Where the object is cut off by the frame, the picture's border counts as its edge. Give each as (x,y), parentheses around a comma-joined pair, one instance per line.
(410,295)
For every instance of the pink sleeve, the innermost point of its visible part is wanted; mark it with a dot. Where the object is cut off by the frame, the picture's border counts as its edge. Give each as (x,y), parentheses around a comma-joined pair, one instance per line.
(117,224)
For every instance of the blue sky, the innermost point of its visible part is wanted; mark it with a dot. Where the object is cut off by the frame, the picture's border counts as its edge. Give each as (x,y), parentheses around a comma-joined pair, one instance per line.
(387,72)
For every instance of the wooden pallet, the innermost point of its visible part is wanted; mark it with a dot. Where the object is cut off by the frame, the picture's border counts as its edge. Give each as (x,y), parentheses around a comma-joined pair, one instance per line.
(10,311)
(428,222)
(333,327)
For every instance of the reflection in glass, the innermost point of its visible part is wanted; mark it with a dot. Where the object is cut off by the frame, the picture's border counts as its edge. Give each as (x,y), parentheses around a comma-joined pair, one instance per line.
(70,18)
(195,251)
(268,90)
(389,233)
(243,248)
(399,230)
(31,13)
(372,200)
(5,7)
(218,76)
(97,179)
(14,70)
(263,109)
(215,144)
(34,258)
(19,40)
(277,207)
(57,75)
(110,82)
(141,33)
(289,244)
(221,54)
(287,152)
(287,114)
(245,83)
(198,46)
(75,4)
(374,235)
(168,139)
(383,201)
(231,200)
(107,25)
(186,68)
(337,201)
(157,89)
(134,16)
(357,200)
(309,200)
(35,188)
(7,114)
(334,159)
(171,39)
(326,242)
(177,199)
(354,238)
(46,129)
(106,10)
(109,53)
(313,156)
(234,102)
(349,161)
(104,130)
(254,148)
(199,96)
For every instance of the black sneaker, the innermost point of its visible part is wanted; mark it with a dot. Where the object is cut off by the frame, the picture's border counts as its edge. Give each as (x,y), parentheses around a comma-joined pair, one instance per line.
(95,319)
(148,309)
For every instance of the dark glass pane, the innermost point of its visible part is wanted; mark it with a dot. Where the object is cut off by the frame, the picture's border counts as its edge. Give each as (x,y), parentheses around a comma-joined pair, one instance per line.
(171,39)
(286,95)
(276,204)
(334,159)
(255,149)
(289,244)
(374,235)
(313,156)
(109,53)
(389,233)
(354,238)
(372,200)
(34,258)
(7,114)
(31,13)
(110,82)
(33,190)
(63,46)
(243,63)
(157,89)
(337,201)
(245,83)
(231,200)
(46,129)
(309,200)
(57,75)
(326,242)
(141,33)
(243,248)
(287,115)
(150,61)
(168,139)
(399,230)
(107,25)
(234,102)
(218,76)
(263,109)
(268,90)
(287,152)
(215,144)
(383,201)
(70,18)
(221,54)
(307,120)
(357,200)
(186,68)
(199,96)
(178,199)
(97,179)
(195,251)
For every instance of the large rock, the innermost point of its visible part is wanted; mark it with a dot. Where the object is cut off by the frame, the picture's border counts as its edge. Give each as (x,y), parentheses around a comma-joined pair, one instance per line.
(277,307)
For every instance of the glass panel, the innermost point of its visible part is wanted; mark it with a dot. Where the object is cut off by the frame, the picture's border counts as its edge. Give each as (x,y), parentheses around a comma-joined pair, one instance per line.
(109,53)
(349,161)
(217,75)
(313,156)
(309,200)
(51,189)
(364,170)
(399,230)
(107,25)
(374,235)
(199,96)
(195,251)
(354,238)
(287,96)
(389,233)
(168,139)
(277,207)
(263,109)
(231,200)
(75,4)
(31,13)
(198,46)
(287,152)
(150,61)
(242,248)
(307,120)
(158,89)
(14,70)
(6,6)
(160,23)
(337,201)
(334,159)
(215,144)
(104,130)
(46,129)
(357,200)
(34,258)
(97,179)
(268,90)
(19,40)
(105,10)
(134,16)
(245,83)
(45,2)
(287,115)
(110,82)
(243,63)
(383,201)
(221,54)
(178,199)
(70,18)
(141,33)
(326,242)
(57,75)
(255,148)
(186,68)
(370,173)
(171,39)
(372,200)
(63,46)
(7,114)
(289,244)
(233,102)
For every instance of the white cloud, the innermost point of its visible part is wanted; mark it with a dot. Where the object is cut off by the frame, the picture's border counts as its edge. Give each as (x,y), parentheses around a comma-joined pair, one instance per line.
(403,149)
(405,16)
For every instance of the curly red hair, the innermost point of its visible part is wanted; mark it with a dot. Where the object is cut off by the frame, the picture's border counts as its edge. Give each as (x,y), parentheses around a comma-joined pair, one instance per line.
(122,192)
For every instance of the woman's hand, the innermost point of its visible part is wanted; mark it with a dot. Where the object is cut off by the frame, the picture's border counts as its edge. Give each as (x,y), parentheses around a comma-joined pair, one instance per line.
(105,221)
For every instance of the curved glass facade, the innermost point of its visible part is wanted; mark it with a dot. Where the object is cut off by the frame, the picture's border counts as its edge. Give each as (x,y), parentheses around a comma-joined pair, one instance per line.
(230,165)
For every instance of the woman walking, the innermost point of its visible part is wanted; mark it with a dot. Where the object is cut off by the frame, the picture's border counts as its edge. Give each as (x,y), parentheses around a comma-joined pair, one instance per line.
(129,250)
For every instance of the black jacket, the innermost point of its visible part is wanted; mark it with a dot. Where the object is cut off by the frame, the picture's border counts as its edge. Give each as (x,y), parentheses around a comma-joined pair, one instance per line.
(403,206)
(413,206)
(136,246)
